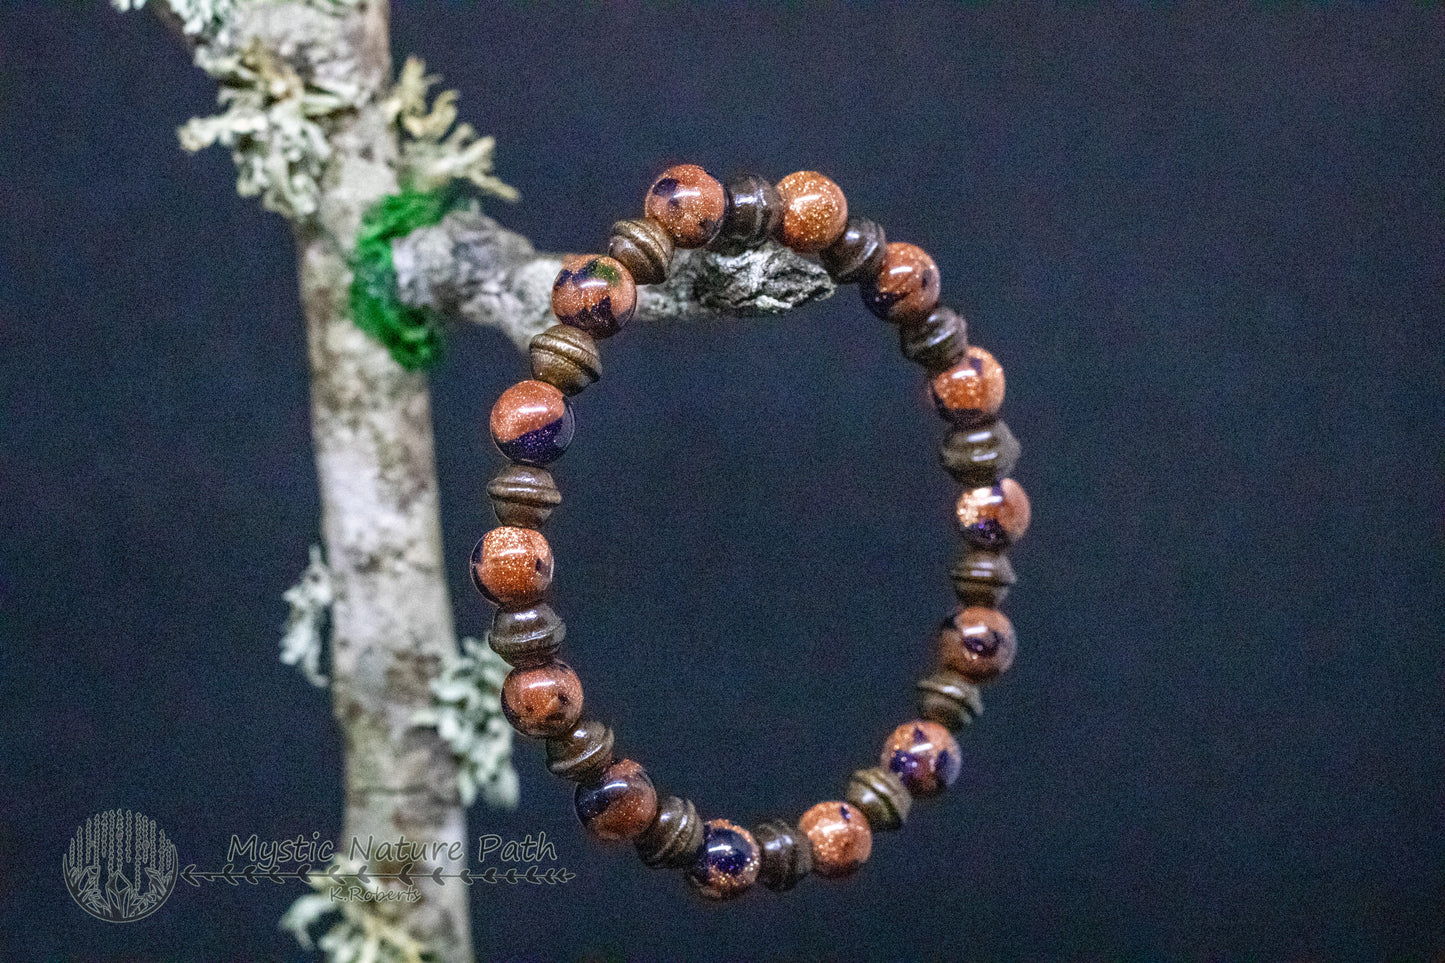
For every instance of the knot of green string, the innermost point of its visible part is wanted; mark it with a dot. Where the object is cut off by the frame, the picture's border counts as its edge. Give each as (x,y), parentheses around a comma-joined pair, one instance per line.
(413,335)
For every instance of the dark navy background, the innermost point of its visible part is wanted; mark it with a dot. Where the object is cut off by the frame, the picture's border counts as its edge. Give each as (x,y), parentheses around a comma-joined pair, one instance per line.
(1205,245)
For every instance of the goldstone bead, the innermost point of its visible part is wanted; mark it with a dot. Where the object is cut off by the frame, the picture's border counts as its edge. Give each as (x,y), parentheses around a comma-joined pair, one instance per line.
(980,455)
(512,566)
(583,754)
(949,699)
(620,804)
(840,838)
(924,755)
(689,203)
(786,855)
(994,516)
(937,342)
(526,636)
(970,392)
(815,212)
(981,577)
(523,496)
(532,423)
(906,287)
(644,247)
(857,255)
(594,293)
(566,358)
(977,643)
(754,211)
(728,863)
(543,700)
(675,836)
(881,796)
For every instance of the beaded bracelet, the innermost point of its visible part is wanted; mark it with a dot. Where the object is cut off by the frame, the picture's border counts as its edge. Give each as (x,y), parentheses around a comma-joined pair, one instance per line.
(532,423)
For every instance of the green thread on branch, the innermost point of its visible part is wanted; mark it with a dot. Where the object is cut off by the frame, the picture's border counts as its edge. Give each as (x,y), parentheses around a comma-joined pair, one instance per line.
(412,335)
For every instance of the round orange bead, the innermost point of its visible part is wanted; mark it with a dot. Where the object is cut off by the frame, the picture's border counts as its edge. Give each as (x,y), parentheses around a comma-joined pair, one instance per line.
(977,643)
(995,516)
(840,837)
(971,392)
(924,755)
(594,293)
(815,212)
(512,566)
(907,285)
(689,203)
(544,700)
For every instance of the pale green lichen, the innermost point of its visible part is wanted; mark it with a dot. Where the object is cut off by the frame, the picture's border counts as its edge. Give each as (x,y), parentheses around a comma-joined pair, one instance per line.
(467,713)
(310,600)
(362,931)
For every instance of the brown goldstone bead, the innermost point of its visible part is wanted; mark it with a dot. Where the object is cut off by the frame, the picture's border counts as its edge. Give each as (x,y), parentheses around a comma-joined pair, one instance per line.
(937,342)
(970,392)
(728,863)
(674,837)
(949,699)
(840,838)
(566,358)
(594,293)
(787,856)
(906,287)
(620,804)
(881,796)
(977,643)
(523,496)
(858,253)
(644,247)
(981,577)
(543,700)
(754,211)
(582,754)
(689,203)
(512,566)
(815,212)
(526,636)
(995,516)
(532,423)
(980,455)
(924,755)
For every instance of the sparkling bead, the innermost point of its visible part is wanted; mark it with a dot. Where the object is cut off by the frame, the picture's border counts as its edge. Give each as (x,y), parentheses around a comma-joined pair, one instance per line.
(543,700)
(881,796)
(840,838)
(937,342)
(728,864)
(565,357)
(583,754)
(857,255)
(982,577)
(753,214)
(512,566)
(689,203)
(949,699)
(977,643)
(532,423)
(526,636)
(786,855)
(644,247)
(815,212)
(971,392)
(675,836)
(620,804)
(924,756)
(980,455)
(906,287)
(523,496)
(594,293)
(995,516)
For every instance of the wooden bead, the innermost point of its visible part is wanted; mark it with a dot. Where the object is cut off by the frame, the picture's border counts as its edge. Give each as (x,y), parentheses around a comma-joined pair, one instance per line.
(583,754)
(594,293)
(815,212)
(857,255)
(512,566)
(566,358)
(980,455)
(882,798)
(977,643)
(543,700)
(970,392)
(532,423)
(786,855)
(689,203)
(906,287)
(949,699)
(728,863)
(675,836)
(981,577)
(994,517)
(526,636)
(644,247)
(938,342)
(840,838)
(620,804)
(523,496)
(924,756)
(753,214)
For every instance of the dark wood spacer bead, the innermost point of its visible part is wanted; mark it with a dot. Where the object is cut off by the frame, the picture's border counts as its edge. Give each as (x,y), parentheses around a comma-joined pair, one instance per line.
(881,796)
(982,578)
(582,754)
(858,253)
(787,856)
(523,496)
(937,342)
(980,456)
(675,836)
(566,358)
(644,247)
(949,699)
(527,636)
(753,214)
